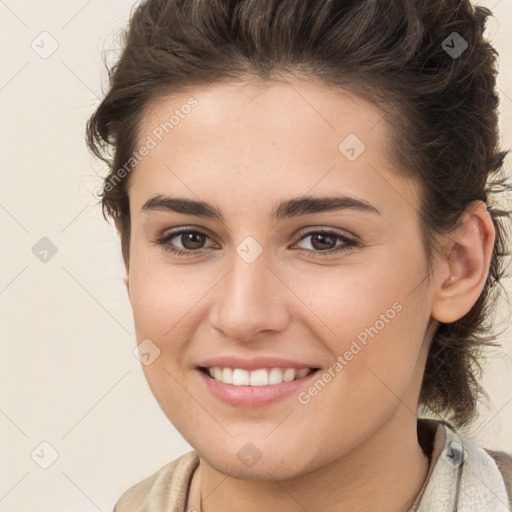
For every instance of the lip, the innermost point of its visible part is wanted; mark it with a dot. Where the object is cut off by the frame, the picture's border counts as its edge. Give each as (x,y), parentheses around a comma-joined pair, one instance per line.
(255,363)
(253,396)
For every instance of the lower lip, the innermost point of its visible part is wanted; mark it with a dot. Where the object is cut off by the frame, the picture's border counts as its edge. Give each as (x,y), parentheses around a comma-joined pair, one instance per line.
(253,396)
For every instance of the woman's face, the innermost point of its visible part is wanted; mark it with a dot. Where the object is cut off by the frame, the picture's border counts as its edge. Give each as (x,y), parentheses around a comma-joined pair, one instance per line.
(257,289)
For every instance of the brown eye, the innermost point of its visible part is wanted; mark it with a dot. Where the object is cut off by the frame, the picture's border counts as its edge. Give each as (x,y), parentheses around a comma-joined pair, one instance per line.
(324,242)
(192,240)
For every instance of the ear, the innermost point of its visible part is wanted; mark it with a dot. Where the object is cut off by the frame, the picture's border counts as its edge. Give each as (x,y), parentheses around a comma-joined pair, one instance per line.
(464,266)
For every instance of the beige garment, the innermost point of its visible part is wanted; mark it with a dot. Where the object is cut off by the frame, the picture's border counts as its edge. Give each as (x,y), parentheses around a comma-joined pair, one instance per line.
(463,476)
(167,489)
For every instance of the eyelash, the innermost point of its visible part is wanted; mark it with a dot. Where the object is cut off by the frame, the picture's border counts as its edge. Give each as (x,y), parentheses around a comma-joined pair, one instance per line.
(350,244)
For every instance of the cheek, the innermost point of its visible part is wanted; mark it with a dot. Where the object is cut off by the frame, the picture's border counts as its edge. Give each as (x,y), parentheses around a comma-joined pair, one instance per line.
(374,327)
(162,296)
(163,307)
(352,298)
(374,316)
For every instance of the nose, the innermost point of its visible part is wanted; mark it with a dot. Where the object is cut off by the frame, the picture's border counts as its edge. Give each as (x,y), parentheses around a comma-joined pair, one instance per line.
(251,301)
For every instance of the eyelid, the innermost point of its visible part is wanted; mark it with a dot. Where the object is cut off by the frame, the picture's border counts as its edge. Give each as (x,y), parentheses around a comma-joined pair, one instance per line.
(324,229)
(303,233)
(347,242)
(180,231)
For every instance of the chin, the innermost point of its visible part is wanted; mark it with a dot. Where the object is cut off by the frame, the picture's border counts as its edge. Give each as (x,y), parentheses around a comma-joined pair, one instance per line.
(250,463)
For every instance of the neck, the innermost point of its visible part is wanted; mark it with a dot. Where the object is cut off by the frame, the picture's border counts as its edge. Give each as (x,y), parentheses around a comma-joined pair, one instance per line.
(385,474)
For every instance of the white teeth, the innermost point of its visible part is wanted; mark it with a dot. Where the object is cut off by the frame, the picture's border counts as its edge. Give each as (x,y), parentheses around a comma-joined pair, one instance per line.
(289,375)
(302,373)
(227,375)
(261,377)
(240,377)
(275,376)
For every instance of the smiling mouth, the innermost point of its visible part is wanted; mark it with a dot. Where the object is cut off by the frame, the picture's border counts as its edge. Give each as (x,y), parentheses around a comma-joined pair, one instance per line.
(260,377)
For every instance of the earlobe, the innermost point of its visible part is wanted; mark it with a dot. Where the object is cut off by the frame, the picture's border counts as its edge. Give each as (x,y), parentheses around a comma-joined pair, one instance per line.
(463,271)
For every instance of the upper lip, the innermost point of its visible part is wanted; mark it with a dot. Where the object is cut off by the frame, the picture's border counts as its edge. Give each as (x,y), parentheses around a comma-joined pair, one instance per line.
(254,363)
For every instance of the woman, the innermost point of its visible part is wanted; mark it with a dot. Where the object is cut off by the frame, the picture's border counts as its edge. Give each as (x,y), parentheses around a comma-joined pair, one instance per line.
(306,198)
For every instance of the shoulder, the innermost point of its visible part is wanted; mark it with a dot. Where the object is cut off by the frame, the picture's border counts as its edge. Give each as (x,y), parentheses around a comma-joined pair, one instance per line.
(504,462)
(464,474)
(490,467)
(166,489)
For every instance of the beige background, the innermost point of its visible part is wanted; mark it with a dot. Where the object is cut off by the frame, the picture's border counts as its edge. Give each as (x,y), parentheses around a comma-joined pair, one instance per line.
(68,373)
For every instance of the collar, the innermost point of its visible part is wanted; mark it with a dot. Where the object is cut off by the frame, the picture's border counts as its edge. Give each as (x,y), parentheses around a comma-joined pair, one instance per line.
(462,476)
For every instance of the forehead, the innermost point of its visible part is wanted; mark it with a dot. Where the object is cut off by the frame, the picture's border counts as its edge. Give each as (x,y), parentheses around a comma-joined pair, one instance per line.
(227,107)
(288,134)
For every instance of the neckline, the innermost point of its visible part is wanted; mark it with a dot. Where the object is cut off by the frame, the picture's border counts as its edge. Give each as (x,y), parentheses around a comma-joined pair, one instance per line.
(431,438)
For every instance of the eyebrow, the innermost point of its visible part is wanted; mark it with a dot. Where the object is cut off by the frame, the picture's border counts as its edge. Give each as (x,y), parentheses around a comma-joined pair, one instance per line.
(286,209)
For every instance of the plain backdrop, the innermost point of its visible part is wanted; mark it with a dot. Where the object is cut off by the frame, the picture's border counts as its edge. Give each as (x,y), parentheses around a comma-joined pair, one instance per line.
(73,395)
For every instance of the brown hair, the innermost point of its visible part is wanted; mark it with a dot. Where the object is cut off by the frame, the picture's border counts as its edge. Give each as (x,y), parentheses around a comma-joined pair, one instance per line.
(425,63)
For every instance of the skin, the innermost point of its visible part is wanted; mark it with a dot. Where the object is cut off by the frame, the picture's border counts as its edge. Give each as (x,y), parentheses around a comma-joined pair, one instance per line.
(243,149)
